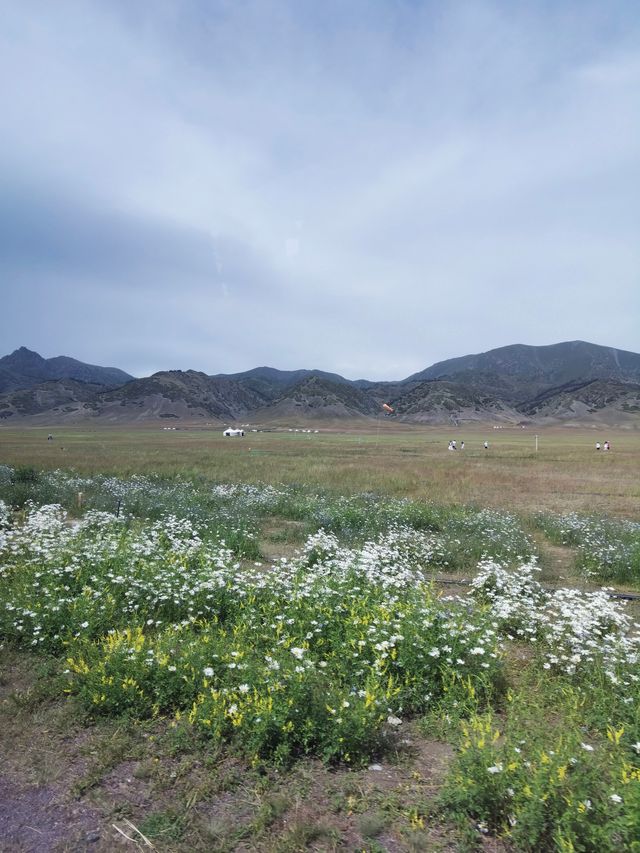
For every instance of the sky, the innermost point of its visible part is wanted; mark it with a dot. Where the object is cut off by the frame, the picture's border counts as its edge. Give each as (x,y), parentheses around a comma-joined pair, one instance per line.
(363,187)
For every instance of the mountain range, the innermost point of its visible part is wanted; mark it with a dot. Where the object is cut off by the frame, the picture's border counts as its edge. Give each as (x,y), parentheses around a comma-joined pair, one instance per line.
(573,382)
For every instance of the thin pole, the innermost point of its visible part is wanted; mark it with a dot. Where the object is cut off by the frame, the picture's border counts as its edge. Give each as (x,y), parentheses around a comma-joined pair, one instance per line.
(536,444)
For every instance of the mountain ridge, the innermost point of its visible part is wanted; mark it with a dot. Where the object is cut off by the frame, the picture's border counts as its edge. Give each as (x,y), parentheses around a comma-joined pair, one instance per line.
(567,359)
(24,368)
(561,382)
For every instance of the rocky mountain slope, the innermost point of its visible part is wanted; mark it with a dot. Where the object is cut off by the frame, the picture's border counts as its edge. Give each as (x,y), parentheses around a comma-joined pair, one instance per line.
(520,372)
(441,401)
(24,368)
(318,397)
(594,401)
(573,382)
(58,399)
(184,394)
(270,383)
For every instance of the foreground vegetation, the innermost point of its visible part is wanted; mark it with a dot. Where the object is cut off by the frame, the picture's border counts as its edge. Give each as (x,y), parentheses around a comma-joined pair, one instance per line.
(152,604)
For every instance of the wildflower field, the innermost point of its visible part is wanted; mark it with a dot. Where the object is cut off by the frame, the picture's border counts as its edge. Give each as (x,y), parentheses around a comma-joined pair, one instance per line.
(269,638)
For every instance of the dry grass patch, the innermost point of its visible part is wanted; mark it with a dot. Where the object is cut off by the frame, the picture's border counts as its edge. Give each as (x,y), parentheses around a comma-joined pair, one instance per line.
(565,474)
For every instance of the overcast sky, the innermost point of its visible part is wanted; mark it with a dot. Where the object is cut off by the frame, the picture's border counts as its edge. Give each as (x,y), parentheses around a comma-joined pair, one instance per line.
(360,187)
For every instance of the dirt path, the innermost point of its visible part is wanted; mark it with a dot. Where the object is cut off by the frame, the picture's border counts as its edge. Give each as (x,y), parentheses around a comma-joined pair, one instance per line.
(32,818)
(559,569)
(557,562)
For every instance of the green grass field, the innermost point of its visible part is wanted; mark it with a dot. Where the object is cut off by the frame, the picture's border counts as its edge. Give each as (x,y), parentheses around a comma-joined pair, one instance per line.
(168,682)
(565,474)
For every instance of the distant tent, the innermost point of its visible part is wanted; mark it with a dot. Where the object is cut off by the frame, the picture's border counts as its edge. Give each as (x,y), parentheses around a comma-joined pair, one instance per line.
(230,432)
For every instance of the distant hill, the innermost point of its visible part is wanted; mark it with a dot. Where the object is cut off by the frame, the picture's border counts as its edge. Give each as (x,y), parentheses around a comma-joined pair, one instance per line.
(318,397)
(25,368)
(269,382)
(599,400)
(58,399)
(172,395)
(439,401)
(520,372)
(567,383)
(178,395)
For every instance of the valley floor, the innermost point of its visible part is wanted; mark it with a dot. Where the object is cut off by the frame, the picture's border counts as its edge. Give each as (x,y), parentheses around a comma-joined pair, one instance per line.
(539,753)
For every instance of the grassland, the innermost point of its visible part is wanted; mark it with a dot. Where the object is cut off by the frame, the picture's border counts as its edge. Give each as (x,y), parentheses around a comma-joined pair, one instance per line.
(160,689)
(566,474)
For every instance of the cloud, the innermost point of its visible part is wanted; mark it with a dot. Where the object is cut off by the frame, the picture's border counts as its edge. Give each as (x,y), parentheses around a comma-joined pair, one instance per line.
(365,188)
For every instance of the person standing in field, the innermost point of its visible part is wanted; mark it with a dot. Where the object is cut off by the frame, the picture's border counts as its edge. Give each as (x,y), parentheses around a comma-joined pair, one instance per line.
(462,445)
